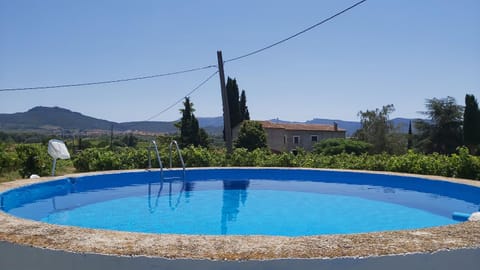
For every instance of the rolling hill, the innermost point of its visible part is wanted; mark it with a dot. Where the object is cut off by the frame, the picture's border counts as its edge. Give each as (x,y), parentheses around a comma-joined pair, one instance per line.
(47,119)
(53,118)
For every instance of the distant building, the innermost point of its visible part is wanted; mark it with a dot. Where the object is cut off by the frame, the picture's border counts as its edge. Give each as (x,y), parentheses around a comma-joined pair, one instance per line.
(282,137)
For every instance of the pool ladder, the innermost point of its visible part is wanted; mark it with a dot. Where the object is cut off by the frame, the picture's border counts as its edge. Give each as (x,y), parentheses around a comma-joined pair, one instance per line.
(153,145)
(178,153)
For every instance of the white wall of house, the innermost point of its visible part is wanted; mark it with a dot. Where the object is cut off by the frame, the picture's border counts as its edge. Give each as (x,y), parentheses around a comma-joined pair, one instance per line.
(283,140)
(298,138)
(275,140)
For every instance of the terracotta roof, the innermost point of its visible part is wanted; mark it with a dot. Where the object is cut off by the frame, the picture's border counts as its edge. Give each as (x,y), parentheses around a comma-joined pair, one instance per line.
(295,126)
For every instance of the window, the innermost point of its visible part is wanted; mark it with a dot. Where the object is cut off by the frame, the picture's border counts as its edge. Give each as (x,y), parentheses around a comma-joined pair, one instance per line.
(296,139)
(314,138)
(284,139)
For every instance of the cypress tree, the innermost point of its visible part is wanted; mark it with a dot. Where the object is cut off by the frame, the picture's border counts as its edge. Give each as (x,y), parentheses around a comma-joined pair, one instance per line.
(186,123)
(194,131)
(410,135)
(238,110)
(233,102)
(471,123)
(190,131)
(245,115)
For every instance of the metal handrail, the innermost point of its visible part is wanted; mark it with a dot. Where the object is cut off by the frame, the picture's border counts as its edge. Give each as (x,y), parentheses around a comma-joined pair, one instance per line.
(179,154)
(158,156)
(179,197)
(155,205)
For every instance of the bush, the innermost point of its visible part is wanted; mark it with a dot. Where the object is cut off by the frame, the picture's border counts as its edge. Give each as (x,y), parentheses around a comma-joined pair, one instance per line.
(242,157)
(465,165)
(33,159)
(251,136)
(200,157)
(97,159)
(82,160)
(337,146)
(457,165)
(131,158)
(8,159)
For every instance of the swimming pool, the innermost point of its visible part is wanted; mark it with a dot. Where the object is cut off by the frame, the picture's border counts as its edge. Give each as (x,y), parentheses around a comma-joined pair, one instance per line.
(279,202)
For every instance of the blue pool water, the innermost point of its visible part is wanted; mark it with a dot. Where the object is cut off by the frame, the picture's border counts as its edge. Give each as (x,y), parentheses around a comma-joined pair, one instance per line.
(244,202)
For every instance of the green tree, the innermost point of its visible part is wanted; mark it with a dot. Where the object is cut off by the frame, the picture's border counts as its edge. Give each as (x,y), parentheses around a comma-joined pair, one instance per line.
(442,133)
(203,138)
(378,130)
(243,107)
(237,104)
(185,124)
(471,123)
(190,132)
(410,136)
(130,140)
(233,102)
(251,136)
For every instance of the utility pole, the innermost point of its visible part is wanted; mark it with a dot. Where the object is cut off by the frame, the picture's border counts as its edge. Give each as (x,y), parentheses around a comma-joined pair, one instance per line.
(226,111)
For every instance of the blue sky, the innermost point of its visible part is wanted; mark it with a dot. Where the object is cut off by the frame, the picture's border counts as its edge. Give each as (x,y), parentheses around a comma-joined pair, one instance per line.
(381,52)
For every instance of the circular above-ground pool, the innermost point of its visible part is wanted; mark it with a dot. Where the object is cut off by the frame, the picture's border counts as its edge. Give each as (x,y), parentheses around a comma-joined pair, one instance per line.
(278,202)
(241,218)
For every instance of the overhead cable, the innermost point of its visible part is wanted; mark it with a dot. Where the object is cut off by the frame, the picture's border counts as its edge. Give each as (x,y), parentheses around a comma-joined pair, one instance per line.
(108,82)
(181,99)
(193,69)
(296,34)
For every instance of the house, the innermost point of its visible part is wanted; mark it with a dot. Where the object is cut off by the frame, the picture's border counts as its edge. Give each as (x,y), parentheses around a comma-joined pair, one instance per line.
(282,137)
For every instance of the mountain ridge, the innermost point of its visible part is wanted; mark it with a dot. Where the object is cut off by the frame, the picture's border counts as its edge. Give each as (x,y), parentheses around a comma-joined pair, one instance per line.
(44,119)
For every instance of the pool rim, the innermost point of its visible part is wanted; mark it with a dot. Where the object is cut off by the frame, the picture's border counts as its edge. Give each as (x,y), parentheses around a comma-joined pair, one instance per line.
(232,247)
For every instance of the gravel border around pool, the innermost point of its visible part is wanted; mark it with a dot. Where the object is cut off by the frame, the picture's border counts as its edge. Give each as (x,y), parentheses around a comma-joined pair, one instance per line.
(464,235)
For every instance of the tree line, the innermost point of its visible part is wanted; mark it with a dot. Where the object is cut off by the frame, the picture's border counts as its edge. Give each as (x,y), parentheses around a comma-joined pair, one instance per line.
(447,127)
(192,135)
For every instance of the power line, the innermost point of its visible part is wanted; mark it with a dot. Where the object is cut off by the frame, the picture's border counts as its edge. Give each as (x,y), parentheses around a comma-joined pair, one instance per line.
(187,70)
(108,82)
(186,95)
(296,34)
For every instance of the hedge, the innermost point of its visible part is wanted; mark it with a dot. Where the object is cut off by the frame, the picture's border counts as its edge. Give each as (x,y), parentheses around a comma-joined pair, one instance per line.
(461,165)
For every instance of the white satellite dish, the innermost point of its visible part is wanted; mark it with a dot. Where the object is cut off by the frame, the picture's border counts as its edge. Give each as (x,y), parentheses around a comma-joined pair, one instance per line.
(57,150)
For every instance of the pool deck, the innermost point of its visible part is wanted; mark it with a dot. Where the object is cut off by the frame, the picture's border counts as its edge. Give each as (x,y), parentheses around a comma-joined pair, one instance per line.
(465,235)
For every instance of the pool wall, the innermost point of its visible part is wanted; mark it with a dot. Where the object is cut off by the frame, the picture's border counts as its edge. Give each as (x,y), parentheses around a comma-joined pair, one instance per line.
(14,257)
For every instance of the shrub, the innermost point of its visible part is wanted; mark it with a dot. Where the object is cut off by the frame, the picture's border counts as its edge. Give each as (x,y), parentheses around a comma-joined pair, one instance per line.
(8,159)
(241,157)
(457,165)
(465,165)
(337,146)
(33,159)
(97,159)
(251,136)
(194,157)
(85,160)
